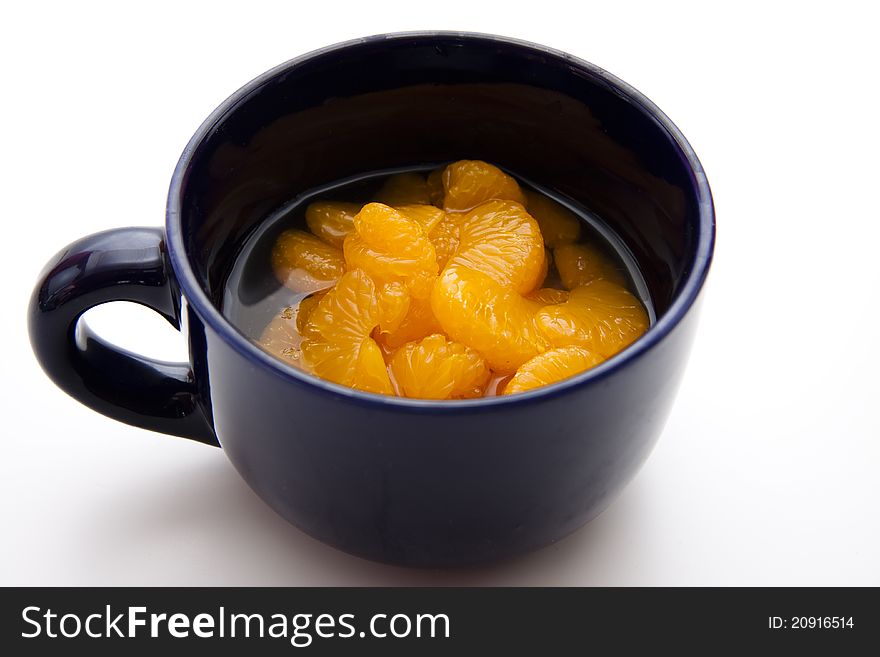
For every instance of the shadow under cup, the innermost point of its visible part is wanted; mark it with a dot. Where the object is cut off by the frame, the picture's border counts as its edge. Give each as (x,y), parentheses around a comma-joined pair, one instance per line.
(428,483)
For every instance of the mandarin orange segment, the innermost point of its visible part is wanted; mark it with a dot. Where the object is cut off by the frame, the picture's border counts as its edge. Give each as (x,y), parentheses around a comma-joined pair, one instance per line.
(436,368)
(580,264)
(281,338)
(347,312)
(283,335)
(404,189)
(436,193)
(559,225)
(552,366)
(394,302)
(371,370)
(475,310)
(547,296)
(304,263)
(426,215)
(418,323)
(342,350)
(603,317)
(503,241)
(445,237)
(304,311)
(358,365)
(468,183)
(541,279)
(390,246)
(331,221)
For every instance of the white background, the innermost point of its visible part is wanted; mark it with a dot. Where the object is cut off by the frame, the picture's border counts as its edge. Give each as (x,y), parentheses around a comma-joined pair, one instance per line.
(767,472)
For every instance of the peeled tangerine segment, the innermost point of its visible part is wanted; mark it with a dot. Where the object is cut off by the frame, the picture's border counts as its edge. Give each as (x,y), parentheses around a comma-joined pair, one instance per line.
(394,302)
(445,237)
(550,367)
(547,296)
(405,189)
(541,278)
(503,241)
(580,264)
(331,221)
(358,365)
(283,335)
(418,323)
(475,310)
(436,368)
(559,225)
(348,312)
(467,183)
(304,263)
(426,215)
(341,349)
(602,317)
(436,193)
(390,246)
(304,311)
(281,338)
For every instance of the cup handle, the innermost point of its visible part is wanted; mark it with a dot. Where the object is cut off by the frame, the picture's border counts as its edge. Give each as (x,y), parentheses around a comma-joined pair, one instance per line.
(124,264)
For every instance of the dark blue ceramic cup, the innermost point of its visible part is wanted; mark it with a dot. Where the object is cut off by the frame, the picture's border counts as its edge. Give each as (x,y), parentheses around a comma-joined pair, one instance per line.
(397,480)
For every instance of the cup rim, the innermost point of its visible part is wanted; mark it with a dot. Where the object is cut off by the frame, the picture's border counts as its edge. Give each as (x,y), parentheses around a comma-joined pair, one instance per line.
(196,297)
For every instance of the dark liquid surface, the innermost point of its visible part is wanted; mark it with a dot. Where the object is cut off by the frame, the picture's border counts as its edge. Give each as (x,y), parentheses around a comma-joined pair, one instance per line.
(253,296)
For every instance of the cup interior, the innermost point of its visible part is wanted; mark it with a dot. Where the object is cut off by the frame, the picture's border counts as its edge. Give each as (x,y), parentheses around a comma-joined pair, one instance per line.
(406,100)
